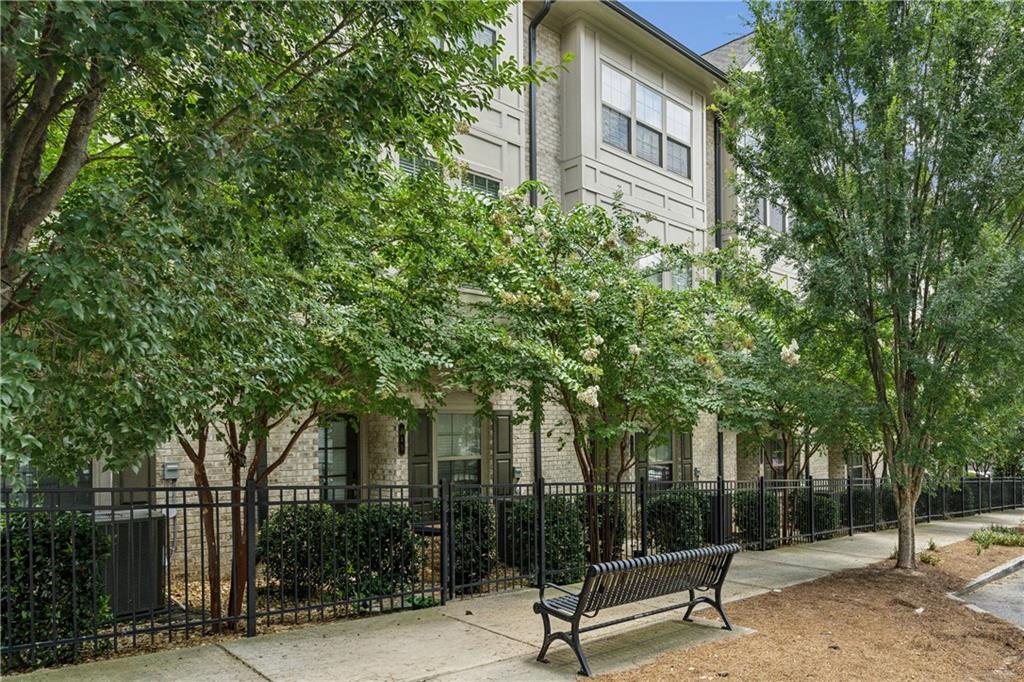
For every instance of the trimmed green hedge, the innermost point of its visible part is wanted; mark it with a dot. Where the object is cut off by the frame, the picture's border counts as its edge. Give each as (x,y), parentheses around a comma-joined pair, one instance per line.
(564,538)
(745,509)
(57,550)
(675,520)
(474,536)
(826,512)
(383,555)
(296,548)
(365,551)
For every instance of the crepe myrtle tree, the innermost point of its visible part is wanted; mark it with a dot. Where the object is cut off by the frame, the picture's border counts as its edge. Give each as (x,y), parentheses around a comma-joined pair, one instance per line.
(319,320)
(136,135)
(893,133)
(573,322)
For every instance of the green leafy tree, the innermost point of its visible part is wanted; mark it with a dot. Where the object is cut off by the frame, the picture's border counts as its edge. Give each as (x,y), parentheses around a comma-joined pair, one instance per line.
(162,133)
(892,132)
(571,320)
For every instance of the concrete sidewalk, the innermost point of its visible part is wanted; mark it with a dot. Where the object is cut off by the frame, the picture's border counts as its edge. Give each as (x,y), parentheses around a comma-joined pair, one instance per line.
(496,637)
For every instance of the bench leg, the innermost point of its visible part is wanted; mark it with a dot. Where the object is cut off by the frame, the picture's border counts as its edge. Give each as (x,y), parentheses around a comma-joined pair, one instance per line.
(577,647)
(542,656)
(721,611)
(689,610)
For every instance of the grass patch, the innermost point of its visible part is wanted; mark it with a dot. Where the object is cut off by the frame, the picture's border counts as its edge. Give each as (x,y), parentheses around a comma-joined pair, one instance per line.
(930,559)
(998,535)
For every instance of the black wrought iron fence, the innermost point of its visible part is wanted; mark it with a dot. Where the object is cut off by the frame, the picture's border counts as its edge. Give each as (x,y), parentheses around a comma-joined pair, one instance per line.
(97,571)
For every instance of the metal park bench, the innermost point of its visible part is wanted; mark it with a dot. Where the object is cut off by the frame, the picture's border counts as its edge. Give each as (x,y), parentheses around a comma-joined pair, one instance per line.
(616,583)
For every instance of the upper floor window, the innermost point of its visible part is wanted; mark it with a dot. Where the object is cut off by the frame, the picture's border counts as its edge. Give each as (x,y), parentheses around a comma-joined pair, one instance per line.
(770,214)
(481,184)
(662,133)
(414,165)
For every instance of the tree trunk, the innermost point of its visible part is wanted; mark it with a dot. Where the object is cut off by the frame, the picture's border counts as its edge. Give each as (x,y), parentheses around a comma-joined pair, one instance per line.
(239,548)
(906,501)
(207,512)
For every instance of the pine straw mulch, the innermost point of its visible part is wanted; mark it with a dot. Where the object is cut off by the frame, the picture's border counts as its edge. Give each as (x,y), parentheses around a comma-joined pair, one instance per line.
(861,624)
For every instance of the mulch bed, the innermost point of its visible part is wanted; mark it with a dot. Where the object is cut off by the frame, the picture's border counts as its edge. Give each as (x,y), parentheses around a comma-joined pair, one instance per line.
(862,624)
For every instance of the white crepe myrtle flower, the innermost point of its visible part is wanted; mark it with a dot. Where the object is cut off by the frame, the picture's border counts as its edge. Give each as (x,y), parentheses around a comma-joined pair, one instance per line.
(588,395)
(592,296)
(789,354)
(598,339)
(507,297)
(634,349)
(590,354)
(538,216)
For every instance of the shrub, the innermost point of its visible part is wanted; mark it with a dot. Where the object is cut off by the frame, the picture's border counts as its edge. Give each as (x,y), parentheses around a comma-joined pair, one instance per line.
(378,550)
(998,535)
(675,520)
(474,537)
(862,506)
(57,551)
(297,547)
(564,538)
(605,509)
(745,508)
(826,512)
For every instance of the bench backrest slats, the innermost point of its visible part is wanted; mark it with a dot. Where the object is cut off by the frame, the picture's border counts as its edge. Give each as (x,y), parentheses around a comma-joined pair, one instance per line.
(625,581)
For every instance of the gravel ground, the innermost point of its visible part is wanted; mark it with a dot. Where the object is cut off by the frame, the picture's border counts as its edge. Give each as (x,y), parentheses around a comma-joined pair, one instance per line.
(871,623)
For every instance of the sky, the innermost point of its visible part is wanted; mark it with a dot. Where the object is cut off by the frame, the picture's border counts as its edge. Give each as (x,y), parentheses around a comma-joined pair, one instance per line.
(699,24)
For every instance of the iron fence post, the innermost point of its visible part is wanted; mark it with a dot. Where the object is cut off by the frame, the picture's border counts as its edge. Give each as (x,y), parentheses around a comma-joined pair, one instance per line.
(945,508)
(445,559)
(810,503)
(874,504)
(990,494)
(250,539)
(849,499)
(642,499)
(761,513)
(928,501)
(721,510)
(542,549)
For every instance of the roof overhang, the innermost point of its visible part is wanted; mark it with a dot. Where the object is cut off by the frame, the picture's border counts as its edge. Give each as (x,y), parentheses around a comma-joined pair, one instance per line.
(630,27)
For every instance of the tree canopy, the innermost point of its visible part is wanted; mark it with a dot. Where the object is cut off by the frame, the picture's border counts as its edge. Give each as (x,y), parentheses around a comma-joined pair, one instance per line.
(184,148)
(893,133)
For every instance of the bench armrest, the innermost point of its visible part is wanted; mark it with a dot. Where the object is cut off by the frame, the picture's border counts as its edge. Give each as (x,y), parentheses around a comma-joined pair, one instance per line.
(561,589)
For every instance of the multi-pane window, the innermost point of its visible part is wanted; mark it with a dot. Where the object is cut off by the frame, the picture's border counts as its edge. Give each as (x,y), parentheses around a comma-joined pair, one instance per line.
(677,159)
(648,106)
(663,128)
(616,90)
(760,214)
(129,481)
(459,444)
(682,279)
(484,36)
(615,128)
(481,184)
(777,217)
(677,122)
(659,459)
(414,165)
(648,144)
(338,460)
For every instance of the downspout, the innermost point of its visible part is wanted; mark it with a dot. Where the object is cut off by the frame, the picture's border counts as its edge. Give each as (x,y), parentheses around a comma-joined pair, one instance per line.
(537,396)
(718,271)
